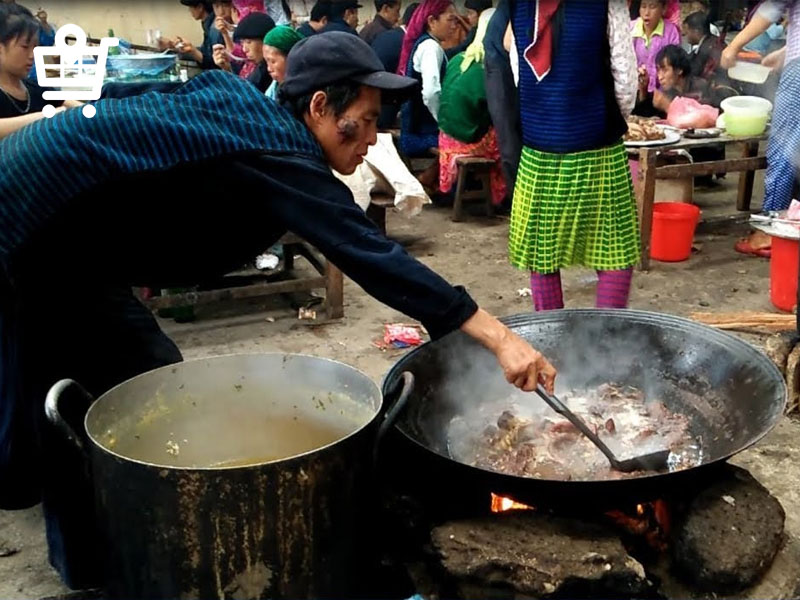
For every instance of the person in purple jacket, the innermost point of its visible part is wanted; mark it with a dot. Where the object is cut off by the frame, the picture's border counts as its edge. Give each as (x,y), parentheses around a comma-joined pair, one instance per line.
(651,32)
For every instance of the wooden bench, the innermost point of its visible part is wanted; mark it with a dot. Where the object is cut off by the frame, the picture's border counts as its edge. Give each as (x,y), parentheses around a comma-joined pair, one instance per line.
(479,168)
(328,277)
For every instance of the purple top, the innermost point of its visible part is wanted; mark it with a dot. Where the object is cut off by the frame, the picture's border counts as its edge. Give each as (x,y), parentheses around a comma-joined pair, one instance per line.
(773,10)
(665,34)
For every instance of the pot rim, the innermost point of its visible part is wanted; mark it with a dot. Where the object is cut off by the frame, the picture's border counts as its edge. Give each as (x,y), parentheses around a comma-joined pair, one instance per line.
(99,446)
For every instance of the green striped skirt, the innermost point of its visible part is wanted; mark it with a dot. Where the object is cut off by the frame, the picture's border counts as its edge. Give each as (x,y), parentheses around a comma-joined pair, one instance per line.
(574,209)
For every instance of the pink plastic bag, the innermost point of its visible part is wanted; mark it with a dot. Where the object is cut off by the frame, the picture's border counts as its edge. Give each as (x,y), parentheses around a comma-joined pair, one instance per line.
(687,113)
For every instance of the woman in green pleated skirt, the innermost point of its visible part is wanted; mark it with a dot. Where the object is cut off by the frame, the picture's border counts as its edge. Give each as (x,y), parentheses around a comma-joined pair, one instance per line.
(573,199)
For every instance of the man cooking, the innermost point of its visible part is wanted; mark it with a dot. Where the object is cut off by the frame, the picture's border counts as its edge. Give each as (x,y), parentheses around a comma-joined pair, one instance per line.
(171,189)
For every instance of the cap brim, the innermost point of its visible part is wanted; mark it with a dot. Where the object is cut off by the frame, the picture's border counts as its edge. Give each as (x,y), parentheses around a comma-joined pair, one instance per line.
(396,86)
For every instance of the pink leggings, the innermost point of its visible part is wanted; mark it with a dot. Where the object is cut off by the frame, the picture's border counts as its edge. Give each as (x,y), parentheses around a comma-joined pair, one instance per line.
(613,289)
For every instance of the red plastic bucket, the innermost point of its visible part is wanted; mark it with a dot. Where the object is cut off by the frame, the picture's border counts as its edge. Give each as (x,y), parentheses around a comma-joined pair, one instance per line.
(783,273)
(673,230)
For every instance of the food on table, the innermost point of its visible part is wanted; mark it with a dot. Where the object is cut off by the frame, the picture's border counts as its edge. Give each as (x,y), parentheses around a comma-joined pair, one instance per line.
(641,129)
(532,441)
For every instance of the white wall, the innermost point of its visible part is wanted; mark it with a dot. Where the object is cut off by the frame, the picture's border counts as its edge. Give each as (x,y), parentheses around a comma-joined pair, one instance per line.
(130,19)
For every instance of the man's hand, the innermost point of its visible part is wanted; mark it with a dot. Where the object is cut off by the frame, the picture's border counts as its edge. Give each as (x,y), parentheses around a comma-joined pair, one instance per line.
(523,365)
(165,43)
(220,57)
(728,58)
(184,46)
(222,25)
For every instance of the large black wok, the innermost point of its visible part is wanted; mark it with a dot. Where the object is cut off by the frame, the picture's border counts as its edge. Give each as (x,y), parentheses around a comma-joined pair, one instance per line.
(731,392)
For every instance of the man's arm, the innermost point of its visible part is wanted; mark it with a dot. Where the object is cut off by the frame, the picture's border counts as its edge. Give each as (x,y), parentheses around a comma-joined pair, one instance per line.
(307,200)
(768,13)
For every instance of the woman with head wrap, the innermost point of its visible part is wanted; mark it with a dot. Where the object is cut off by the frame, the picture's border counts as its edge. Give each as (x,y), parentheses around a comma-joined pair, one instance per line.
(277,44)
(422,58)
(465,127)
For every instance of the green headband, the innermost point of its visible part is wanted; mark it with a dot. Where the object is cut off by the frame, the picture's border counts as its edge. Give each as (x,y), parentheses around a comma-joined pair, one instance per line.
(283,38)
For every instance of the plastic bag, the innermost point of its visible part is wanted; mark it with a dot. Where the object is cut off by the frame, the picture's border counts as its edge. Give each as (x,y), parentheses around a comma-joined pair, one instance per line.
(688,113)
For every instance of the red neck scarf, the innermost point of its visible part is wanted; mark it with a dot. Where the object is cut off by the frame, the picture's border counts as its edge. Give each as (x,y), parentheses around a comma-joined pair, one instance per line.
(539,54)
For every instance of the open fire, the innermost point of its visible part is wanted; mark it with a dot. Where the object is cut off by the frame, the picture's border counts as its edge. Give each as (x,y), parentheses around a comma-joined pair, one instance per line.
(503,504)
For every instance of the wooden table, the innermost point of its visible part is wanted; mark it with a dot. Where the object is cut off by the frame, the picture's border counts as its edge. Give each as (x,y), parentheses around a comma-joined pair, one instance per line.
(649,172)
(328,278)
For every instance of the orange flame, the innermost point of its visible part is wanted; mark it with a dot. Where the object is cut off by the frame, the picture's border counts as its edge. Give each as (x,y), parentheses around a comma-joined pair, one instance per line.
(503,504)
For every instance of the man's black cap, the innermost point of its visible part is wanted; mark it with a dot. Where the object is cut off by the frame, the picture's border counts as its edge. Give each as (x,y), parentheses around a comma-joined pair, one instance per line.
(253,27)
(334,57)
(206,3)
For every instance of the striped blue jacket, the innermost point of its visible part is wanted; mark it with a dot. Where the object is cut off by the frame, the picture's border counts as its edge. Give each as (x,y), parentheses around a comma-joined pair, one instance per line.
(215,114)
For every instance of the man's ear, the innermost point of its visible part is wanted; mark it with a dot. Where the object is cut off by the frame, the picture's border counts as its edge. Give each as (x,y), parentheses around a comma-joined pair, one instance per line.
(318,106)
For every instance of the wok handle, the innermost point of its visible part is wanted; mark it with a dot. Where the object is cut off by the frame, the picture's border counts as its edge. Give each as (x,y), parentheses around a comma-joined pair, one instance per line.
(394,410)
(55,401)
(579,423)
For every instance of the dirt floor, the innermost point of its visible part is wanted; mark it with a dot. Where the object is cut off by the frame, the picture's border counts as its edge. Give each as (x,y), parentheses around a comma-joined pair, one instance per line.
(472,253)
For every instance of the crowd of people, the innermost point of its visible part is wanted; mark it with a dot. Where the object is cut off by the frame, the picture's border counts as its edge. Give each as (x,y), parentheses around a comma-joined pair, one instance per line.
(493,86)
(541,88)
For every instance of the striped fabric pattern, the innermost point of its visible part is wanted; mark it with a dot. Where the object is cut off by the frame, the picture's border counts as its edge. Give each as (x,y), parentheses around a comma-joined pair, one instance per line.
(574,209)
(783,148)
(215,114)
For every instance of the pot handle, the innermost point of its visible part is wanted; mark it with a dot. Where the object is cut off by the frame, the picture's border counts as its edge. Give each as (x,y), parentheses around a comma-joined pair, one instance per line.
(390,417)
(52,409)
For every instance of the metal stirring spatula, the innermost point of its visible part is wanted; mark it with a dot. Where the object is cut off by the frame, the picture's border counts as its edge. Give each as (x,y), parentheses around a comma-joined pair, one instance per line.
(652,461)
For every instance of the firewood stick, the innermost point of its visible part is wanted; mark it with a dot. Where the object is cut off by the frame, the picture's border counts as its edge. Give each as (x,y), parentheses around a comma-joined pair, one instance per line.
(747,320)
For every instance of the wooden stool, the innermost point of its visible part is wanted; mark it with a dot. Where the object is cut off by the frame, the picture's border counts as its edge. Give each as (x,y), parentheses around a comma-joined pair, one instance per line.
(479,168)
(377,210)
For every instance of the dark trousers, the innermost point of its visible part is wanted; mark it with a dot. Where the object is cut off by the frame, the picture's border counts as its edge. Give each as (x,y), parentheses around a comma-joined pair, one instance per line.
(503,101)
(100,337)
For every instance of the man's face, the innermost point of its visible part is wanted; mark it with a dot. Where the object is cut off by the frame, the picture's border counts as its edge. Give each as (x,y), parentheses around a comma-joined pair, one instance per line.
(351,17)
(391,12)
(668,76)
(198,12)
(346,138)
(693,36)
(472,17)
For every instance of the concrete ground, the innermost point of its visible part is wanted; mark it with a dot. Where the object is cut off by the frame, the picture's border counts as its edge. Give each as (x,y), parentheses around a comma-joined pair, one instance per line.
(472,253)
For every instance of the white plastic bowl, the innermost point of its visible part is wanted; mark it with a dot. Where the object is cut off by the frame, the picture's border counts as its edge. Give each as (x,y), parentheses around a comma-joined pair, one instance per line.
(746,115)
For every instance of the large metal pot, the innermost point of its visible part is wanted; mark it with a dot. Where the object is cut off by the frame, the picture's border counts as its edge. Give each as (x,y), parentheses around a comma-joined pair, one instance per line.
(230,477)
(732,393)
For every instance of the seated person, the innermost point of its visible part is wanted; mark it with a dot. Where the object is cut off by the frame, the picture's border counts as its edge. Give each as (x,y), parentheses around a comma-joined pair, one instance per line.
(650,34)
(21,100)
(277,44)
(387,46)
(422,58)
(250,33)
(465,126)
(201,10)
(316,20)
(706,47)
(676,80)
